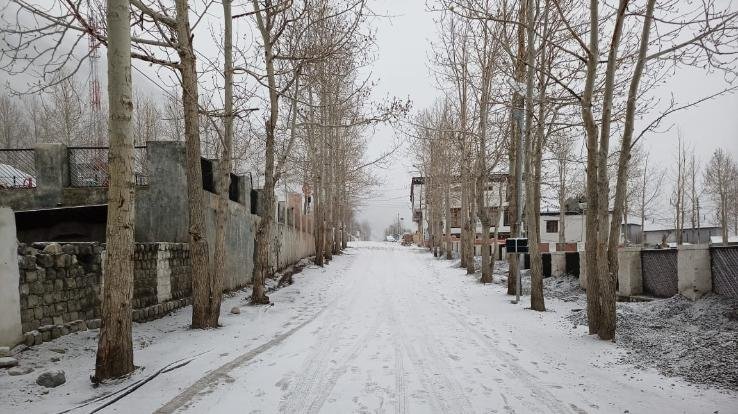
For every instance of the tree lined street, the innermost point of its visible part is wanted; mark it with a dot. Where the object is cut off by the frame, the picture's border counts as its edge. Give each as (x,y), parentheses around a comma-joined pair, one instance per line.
(383,329)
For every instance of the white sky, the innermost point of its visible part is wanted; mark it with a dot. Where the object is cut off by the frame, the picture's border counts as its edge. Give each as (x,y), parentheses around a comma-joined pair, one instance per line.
(403,43)
(401,70)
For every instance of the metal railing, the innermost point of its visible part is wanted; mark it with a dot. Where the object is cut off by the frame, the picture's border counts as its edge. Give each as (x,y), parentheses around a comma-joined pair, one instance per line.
(140,166)
(88,166)
(17,168)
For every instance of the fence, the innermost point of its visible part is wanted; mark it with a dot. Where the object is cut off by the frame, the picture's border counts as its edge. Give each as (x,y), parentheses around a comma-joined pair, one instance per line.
(724,263)
(660,277)
(88,166)
(17,168)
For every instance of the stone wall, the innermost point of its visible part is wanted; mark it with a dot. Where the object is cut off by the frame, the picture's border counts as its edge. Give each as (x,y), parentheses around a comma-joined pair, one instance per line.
(178,259)
(59,285)
(145,257)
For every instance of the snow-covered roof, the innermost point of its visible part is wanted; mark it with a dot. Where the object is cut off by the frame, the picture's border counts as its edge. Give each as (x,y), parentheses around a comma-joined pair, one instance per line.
(13,177)
(719,239)
(666,224)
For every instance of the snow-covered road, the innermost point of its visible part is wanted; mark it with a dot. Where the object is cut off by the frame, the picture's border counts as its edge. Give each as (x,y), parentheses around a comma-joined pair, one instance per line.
(404,333)
(382,329)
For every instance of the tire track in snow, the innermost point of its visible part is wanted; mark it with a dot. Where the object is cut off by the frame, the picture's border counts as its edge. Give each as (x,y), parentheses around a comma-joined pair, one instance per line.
(213,378)
(317,379)
(400,386)
(325,387)
(545,397)
(435,381)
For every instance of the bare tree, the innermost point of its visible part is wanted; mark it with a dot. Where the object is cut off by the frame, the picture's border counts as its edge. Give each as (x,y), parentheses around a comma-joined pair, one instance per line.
(115,343)
(679,195)
(720,175)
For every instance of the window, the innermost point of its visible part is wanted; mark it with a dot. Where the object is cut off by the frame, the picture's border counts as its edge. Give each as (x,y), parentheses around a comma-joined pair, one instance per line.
(506,217)
(552,226)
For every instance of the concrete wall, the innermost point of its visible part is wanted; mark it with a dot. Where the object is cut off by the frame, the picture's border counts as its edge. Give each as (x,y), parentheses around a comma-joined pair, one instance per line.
(630,276)
(693,268)
(665,272)
(583,269)
(558,263)
(240,234)
(10,319)
(161,207)
(293,245)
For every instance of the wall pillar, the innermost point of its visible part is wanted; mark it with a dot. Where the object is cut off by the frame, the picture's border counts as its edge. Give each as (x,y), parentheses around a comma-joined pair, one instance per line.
(693,271)
(161,207)
(163,273)
(558,263)
(630,275)
(52,173)
(583,269)
(11,331)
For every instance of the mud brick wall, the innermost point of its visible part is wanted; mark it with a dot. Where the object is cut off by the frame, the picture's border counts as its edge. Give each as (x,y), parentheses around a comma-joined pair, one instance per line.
(58,284)
(724,263)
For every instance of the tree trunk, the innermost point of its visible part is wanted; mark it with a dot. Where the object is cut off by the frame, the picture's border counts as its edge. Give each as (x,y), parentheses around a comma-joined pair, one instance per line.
(262,265)
(199,254)
(517,102)
(463,212)
(536,269)
(224,173)
(447,203)
(607,319)
(593,286)
(115,344)
(471,226)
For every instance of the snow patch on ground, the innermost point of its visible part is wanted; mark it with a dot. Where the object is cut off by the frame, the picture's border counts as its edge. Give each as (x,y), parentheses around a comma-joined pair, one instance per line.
(382,328)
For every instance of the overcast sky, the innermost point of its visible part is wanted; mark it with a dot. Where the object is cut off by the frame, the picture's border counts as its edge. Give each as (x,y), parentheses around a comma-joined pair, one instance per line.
(401,69)
(403,43)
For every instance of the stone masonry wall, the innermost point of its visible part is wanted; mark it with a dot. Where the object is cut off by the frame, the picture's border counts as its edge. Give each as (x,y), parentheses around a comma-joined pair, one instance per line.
(179,266)
(144,269)
(59,285)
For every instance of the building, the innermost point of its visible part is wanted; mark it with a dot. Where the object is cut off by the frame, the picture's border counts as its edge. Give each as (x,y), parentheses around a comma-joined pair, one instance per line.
(495,198)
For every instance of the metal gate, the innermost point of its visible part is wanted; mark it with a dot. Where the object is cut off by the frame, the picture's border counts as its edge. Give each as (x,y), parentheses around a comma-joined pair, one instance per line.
(572,263)
(660,272)
(546,261)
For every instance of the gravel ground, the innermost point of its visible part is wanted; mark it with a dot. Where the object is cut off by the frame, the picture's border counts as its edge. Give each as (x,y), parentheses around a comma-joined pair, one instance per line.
(697,341)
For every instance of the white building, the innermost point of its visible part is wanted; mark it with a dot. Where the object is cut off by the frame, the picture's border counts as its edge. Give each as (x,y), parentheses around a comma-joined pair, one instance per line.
(495,198)
(574,227)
